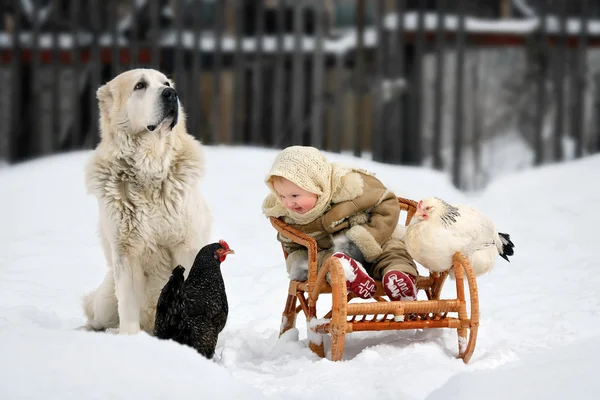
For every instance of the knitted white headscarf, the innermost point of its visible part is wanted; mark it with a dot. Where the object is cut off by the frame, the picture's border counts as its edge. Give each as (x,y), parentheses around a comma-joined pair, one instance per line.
(308,168)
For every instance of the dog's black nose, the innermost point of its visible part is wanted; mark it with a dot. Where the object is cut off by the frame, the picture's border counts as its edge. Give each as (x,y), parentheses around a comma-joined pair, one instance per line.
(169,93)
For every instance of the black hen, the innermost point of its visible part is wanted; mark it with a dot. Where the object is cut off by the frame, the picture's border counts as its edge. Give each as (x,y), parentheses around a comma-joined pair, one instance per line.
(194,311)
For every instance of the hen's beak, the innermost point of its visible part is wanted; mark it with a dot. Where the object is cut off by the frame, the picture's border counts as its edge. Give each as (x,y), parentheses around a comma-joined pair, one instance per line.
(420,214)
(229,251)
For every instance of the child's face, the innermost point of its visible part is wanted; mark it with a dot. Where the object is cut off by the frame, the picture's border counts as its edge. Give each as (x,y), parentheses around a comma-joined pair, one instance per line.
(293,197)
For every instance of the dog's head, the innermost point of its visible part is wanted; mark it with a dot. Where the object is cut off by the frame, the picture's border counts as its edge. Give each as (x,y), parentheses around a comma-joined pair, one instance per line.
(139,101)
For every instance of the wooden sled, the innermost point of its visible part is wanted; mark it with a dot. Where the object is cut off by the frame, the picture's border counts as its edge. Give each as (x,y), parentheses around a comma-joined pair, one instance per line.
(381,314)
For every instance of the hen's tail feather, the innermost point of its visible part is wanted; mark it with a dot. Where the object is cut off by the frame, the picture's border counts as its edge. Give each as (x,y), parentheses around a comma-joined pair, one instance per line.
(507,246)
(170,305)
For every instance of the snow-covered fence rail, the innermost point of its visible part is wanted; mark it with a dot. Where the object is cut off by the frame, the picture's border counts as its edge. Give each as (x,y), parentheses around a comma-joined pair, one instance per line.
(419,83)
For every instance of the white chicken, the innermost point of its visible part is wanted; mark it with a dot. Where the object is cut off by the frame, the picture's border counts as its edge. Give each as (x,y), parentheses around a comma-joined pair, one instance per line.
(439,230)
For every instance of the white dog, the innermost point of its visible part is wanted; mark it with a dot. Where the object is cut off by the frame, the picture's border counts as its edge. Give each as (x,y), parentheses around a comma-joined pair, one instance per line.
(145,174)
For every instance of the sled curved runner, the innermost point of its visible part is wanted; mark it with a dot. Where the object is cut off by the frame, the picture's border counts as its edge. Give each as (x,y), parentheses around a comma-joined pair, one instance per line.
(379,314)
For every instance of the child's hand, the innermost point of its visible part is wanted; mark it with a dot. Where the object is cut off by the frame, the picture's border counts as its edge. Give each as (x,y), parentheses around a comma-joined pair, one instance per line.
(341,244)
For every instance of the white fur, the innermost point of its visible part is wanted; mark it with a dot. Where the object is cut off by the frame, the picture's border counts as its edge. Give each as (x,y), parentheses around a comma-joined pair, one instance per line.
(297,265)
(153,216)
(348,271)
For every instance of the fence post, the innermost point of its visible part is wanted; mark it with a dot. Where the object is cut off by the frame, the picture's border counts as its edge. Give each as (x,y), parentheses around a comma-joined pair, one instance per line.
(579,78)
(542,62)
(278,86)
(239,96)
(95,66)
(559,82)
(133,36)
(179,55)
(458,99)
(359,79)
(477,121)
(155,29)
(395,130)
(438,97)
(316,130)
(12,144)
(338,109)
(298,73)
(256,131)
(379,100)
(195,92)
(413,140)
(217,67)
(38,143)
(113,20)
(75,64)
(505,8)
(55,126)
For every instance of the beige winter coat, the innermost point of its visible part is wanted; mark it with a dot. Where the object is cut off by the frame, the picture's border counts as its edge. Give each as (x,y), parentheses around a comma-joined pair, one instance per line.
(367,214)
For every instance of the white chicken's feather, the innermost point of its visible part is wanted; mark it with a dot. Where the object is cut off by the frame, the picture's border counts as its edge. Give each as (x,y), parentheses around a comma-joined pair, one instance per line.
(461,228)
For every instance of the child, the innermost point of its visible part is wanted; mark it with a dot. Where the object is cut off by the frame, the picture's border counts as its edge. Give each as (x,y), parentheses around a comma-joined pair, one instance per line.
(350,214)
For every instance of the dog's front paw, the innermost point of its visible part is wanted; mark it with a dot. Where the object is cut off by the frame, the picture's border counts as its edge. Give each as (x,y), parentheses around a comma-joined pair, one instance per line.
(87,327)
(129,329)
(91,327)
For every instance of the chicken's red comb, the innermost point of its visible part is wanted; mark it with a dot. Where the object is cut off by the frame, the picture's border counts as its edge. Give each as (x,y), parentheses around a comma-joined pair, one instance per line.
(224,244)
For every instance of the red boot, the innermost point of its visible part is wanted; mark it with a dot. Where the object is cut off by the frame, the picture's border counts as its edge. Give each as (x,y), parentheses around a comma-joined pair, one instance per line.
(399,286)
(357,279)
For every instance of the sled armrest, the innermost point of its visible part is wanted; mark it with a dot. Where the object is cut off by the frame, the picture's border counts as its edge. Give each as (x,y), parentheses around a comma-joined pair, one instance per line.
(302,239)
(410,206)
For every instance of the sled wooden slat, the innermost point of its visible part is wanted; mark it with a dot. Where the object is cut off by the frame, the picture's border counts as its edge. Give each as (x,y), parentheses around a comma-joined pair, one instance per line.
(391,307)
(388,325)
(379,314)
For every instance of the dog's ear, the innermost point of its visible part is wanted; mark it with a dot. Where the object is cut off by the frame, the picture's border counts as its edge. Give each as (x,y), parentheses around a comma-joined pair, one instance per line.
(105,98)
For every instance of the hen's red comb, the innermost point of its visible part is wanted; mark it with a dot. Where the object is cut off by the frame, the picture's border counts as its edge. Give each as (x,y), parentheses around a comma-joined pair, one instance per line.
(224,244)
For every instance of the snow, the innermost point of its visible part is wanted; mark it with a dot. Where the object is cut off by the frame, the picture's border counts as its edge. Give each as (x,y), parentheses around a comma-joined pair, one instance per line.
(521,26)
(311,334)
(537,379)
(540,321)
(348,271)
(346,38)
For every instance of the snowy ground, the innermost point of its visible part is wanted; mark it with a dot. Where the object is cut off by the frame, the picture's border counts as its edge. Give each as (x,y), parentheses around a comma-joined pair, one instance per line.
(540,314)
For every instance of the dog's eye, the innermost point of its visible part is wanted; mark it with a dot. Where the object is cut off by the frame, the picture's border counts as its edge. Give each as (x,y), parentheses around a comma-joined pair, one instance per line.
(140,86)
(167,84)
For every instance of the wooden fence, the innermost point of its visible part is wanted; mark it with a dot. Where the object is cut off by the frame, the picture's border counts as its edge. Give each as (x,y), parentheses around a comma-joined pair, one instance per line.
(411,83)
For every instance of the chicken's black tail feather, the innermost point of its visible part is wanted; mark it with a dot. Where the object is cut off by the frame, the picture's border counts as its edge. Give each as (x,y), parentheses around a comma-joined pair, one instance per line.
(170,305)
(507,246)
